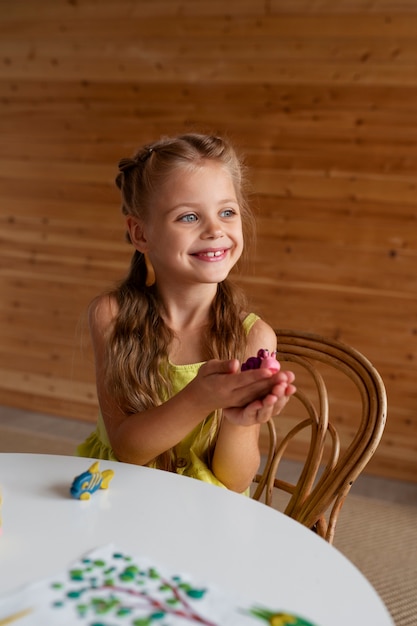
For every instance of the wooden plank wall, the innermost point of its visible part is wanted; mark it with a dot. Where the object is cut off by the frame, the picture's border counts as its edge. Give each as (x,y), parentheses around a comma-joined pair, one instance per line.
(320,95)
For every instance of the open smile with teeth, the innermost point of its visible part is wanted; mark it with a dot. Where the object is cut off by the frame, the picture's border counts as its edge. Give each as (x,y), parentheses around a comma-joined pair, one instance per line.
(217,253)
(211,254)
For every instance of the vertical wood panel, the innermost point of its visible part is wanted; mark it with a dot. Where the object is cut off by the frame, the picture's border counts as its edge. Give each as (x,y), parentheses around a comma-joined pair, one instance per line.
(321,98)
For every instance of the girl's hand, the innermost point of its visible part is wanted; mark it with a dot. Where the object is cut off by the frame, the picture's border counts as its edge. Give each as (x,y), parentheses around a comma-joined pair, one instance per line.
(262,409)
(221,384)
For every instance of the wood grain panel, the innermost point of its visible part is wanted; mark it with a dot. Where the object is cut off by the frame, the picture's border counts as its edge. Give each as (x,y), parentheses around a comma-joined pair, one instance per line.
(320,97)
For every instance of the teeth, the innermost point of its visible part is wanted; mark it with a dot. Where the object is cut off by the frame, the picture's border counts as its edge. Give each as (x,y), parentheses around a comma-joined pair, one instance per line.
(213,254)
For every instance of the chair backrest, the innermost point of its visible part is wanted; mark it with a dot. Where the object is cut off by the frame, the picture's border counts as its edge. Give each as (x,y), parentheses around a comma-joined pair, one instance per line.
(331,464)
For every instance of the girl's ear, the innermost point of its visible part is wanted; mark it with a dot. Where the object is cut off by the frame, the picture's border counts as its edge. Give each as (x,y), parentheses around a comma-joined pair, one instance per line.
(136,233)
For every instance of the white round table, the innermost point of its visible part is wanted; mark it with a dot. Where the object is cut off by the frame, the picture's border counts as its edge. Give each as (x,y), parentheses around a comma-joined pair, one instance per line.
(216,535)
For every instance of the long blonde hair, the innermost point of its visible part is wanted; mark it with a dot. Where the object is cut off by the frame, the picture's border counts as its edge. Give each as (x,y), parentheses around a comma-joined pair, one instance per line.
(138,347)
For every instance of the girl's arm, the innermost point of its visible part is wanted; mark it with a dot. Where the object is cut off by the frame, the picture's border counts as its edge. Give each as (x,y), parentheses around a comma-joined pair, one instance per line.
(141,437)
(236,457)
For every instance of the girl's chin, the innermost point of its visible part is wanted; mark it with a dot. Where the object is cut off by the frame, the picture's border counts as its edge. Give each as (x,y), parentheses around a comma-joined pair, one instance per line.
(211,275)
(217,278)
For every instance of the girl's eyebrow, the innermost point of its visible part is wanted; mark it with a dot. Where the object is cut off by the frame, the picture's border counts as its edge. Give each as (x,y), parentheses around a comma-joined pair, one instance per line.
(196,205)
(229,201)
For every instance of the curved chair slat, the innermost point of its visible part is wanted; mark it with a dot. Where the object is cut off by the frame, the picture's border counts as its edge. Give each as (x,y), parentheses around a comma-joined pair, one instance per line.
(329,469)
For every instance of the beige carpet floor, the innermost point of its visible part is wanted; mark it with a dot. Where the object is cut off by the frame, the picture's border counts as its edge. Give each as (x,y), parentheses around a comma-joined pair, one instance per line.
(377,527)
(380,538)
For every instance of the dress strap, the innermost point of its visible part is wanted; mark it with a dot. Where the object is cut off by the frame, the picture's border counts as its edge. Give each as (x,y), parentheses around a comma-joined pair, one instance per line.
(249,321)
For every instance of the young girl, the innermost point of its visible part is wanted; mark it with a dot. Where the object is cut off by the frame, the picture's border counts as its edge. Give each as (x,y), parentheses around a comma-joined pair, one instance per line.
(170,339)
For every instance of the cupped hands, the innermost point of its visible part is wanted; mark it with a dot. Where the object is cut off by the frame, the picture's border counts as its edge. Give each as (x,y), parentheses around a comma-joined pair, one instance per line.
(247,398)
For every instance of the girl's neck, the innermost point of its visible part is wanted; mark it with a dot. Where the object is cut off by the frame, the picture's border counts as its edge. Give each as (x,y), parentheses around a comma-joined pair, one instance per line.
(188,310)
(187,313)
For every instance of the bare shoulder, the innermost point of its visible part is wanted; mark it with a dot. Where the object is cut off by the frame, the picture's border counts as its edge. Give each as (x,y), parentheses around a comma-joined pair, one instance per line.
(102,312)
(261,335)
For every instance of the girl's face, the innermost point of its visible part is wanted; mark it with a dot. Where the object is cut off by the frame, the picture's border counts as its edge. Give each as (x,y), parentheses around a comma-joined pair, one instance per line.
(194,230)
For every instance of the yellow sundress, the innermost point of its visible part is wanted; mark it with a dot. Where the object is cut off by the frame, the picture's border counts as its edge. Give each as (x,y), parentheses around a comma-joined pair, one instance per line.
(192,452)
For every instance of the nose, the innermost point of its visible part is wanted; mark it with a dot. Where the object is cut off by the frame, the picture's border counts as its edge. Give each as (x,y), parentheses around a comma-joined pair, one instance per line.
(212,229)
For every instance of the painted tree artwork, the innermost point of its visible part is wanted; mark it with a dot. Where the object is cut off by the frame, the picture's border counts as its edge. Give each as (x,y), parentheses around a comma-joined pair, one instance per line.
(109,587)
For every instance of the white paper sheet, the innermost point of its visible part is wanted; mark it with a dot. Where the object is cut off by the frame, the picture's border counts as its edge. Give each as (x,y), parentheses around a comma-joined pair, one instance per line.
(108,587)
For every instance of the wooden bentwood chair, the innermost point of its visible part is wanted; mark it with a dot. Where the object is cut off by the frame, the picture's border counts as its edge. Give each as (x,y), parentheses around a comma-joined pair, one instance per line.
(331,465)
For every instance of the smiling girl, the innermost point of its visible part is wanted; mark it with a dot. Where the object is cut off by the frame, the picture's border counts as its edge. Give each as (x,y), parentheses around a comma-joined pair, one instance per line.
(169,340)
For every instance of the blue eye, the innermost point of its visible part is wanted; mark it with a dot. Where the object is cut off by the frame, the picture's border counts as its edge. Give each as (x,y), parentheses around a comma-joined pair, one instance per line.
(190,217)
(228,213)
